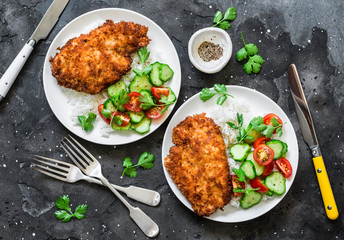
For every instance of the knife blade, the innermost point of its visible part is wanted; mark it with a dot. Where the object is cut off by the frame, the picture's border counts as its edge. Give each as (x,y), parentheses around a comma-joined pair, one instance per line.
(44,27)
(310,137)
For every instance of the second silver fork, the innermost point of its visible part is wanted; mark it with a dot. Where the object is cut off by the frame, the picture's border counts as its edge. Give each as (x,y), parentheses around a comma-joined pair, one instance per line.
(67,172)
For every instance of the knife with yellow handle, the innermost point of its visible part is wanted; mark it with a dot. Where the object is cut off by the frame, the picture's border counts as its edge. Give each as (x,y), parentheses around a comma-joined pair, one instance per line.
(310,137)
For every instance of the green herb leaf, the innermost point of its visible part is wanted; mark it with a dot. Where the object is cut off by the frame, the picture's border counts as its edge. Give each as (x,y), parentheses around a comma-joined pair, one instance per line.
(146,160)
(127,162)
(274,122)
(138,72)
(80,211)
(82,120)
(268,131)
(230,14)
(248,67)
(206,94)
(224,25)
(146,102)
(143,54)
(116,120)
(257,59)
(106,113)
(221,88)
(87,123)
(232,125)
(165,100)
(217,17)
(147,70)
(130,172)
(63,203)
(221,100)
(240,119)
(251,49)
(241,174)
(63,215)
(241,54)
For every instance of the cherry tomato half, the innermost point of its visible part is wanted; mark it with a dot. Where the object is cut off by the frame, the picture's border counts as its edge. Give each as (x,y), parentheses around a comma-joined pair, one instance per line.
(263,155)
(100,111)
(261,140)
(133,104)
(123,116)
(268,169)
(155,112)
(284,166)
(237,184)
(158,91)
(257,183)
(267,119)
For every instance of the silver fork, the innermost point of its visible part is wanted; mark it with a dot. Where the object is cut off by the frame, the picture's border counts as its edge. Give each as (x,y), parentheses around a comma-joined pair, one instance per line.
(67,172)
(89,165)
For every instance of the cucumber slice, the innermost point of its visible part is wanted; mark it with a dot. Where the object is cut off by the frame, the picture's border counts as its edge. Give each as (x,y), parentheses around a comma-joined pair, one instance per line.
(109,105)
(285,147)
(165,72)
(140,83)
(248,169)
(116,127)
(239,151)
(250,199)
(277,146)
(154,74)
(276,182)
(143,126)
(116,88)
(259,168)
(136,117)
(254,134)
(171,96)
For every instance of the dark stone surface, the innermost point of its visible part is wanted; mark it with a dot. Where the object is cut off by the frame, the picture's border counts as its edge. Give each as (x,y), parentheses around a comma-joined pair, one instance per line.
(307,33)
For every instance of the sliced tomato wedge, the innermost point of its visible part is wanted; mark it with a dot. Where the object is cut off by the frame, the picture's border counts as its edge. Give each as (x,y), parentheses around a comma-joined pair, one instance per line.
(257,183)
(268,169)
(133,104)
(123,116)
(263,155)
(158,91)
(237,184)
(268,117)
(261,140)
(155,112)
(100,111)
(284,167)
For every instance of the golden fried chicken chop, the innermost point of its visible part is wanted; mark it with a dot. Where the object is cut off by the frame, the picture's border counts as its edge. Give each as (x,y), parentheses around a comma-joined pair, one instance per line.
(198,164)
(92,62)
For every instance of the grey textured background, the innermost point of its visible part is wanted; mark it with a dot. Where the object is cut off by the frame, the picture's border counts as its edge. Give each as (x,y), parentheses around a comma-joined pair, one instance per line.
(307,33)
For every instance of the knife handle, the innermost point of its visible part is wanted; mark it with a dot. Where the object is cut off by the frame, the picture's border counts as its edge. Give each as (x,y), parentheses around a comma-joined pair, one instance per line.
(325,188)
(13,70)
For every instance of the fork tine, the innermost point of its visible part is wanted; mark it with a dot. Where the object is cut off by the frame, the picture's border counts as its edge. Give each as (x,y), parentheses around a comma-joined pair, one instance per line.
(85,159)
(80,165)
(49,174)
(84,149)
(67,165)
(53,172)
(53,165)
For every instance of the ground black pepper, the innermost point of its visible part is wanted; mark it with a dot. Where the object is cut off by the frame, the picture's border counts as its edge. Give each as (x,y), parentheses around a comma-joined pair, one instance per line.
(208,51)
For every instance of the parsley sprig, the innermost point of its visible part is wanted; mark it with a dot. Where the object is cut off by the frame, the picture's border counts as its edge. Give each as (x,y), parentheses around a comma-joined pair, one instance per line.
(65,214)
(147,102)
(254,62)
(258,125)
(143,54)
(146,161)
(118,100)
(221,89)
(241,177)
(222,21)
(87,123)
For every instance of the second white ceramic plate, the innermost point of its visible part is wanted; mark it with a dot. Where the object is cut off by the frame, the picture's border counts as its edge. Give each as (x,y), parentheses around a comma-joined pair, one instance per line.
(260,105)
(160,45)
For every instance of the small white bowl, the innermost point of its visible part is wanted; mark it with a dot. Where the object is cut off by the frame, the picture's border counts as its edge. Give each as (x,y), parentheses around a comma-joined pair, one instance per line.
(213,35)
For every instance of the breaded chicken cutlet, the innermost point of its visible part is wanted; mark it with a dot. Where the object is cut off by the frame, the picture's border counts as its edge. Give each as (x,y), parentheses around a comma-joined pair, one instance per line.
(92,62)
(198,164)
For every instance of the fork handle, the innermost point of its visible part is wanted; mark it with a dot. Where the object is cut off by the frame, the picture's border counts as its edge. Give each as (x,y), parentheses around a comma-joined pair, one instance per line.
(143,195)
(143,221)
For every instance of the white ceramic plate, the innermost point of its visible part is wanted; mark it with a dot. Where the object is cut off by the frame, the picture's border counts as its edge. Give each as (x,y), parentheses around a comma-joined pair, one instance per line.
(260,105)
(57,100)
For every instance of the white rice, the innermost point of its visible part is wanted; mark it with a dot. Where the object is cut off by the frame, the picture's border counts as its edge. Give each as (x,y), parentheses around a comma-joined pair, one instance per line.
(84,103)
(228,113)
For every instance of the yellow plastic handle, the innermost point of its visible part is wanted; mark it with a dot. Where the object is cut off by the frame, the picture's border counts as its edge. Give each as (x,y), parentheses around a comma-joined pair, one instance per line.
(325,188)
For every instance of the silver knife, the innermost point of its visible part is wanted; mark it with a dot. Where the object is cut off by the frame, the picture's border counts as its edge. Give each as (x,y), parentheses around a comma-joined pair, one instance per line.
(310,137)
(44,27)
